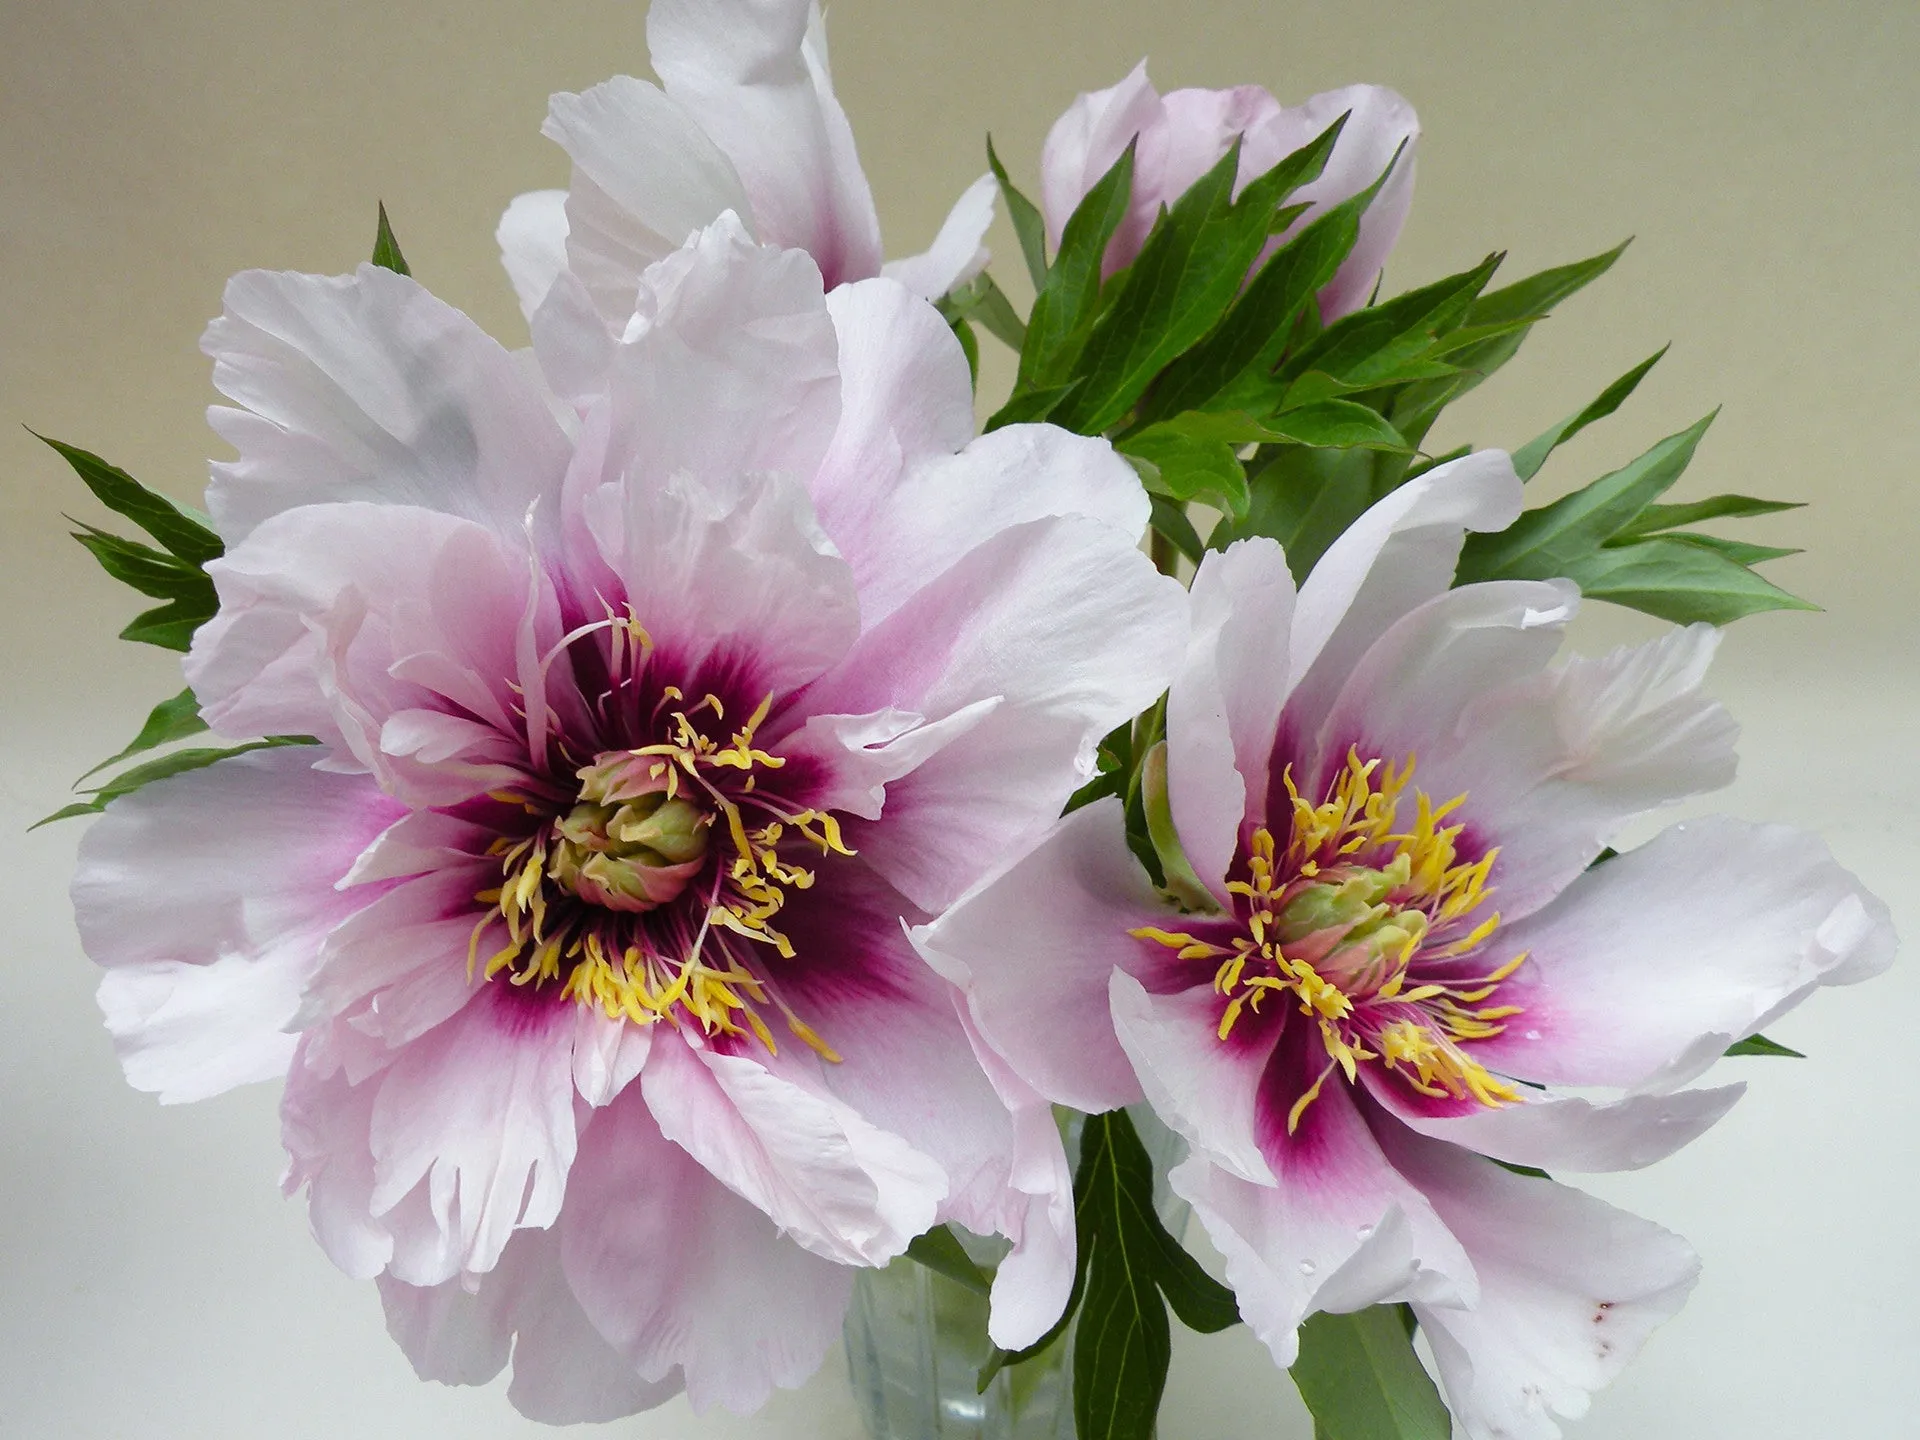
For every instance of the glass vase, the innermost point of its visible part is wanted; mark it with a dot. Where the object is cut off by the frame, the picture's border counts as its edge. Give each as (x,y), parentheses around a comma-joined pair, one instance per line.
(915,1340)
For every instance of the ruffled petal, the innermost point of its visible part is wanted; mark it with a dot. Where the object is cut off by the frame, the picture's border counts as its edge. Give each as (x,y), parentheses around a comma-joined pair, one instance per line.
(564,1372)
(959,251)
(365,387)
(683,1277)
(1224,705)
(754,77)
(1033,947)
(207,897)
(1653,963)
(482,1109)
(1570,1289)
(645,177)
(1071,627)
(839,1185)
(532,236)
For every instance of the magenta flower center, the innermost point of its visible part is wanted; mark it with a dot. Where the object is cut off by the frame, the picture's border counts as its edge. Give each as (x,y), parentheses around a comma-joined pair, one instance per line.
(1374,930)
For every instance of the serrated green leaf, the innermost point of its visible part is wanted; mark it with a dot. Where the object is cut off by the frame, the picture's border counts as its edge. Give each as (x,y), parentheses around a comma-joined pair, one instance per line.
(1189,272)
(169,721)
(1374,341)
(386,249)
(1547,542)
(178,531)
(1760,1045)
(1655,518)
(1528,459)
(1538,293)
(1029,407)
(940,1250)
(1067,304)
(1361,1379)
(150,571)
(1678,580)
(1336,425)
(1027,222)
(179,762)
(1186,467)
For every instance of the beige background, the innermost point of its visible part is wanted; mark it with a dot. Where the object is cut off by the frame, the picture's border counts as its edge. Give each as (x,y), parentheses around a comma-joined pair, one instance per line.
(152,1283)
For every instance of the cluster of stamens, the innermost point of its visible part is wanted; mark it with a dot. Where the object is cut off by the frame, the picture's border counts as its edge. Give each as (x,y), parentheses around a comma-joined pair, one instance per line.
(654,894)
(1360,921)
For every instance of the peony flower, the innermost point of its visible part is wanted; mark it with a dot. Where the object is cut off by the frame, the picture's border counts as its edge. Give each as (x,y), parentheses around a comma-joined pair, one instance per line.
(1185,133)
(1394,947)
(744,119)
(644,733)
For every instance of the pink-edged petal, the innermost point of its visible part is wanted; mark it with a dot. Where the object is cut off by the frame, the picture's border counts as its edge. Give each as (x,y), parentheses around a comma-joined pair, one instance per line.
(564,1372)
(207,898)
(905,396)
(365,387)
(336,619)
(1339,1229)
(482,1109)
(532,236)
(838,1184)
(951,504)
(1083,145)
(1566,1132)
(682,1275)
(1401,552)
(645,176)
(1379,123)
(753,74)
(1224,705)
(1065,621)
(1554,764)
(959,251)
(1570,1288)
(1033,1283)
(1650,965)
(858,756)
(608,1054)
(1202,124)
(1201,1086)
(1032,950)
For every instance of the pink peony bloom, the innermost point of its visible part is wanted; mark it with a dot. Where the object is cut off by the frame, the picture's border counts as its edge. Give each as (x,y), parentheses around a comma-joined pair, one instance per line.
(1396,946)
(1184,134)
(744,119)
(645,733)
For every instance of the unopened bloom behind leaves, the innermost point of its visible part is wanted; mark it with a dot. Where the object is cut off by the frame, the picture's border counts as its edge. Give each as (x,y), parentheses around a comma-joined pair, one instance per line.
(646,725)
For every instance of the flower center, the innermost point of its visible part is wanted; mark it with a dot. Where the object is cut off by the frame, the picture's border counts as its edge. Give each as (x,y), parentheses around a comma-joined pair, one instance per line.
(653,890)
(1373,930)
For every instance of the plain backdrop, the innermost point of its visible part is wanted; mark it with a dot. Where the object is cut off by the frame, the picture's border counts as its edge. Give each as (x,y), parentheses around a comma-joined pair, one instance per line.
(152,1281)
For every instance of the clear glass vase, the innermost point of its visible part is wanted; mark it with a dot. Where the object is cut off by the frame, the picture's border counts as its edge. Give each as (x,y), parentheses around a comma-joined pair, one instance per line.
(915,1340)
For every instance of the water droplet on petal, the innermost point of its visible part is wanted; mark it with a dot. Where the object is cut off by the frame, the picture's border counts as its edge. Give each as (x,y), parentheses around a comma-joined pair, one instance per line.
(1307,1267)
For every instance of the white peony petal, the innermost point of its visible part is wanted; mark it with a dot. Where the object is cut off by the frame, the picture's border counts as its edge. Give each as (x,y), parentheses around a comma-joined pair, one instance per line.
(532,236)
(958,252)
(365,387)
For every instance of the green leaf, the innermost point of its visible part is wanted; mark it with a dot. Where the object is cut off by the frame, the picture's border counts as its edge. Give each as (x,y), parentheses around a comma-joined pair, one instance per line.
(1360,1377)
(970,347)
(1169,519)
(941,1252)
(1677,579)
(1304,498)
(1716,507)
(1549,541)
(1760,1045)
(1336,425)
(984,302)
(176,530)
(1530,457)
(1029,407)
(1027,223)
(1538,293)
(1532,1172)
(170,720)
(1186,467)
(1371,344)
(150,571)
(1190,270)
(1738,551)
(169,626)
(178,762)
(386,249)
(1111,765)
(1065,308)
